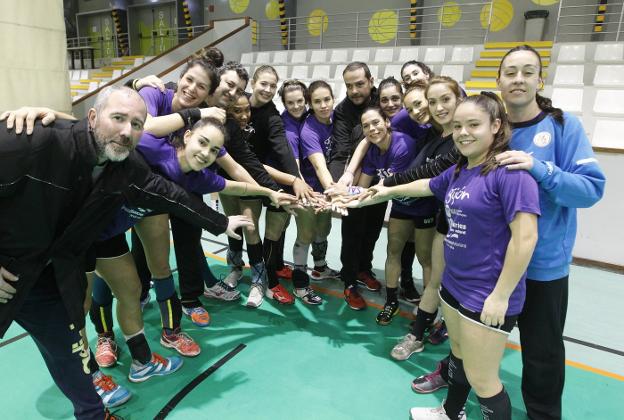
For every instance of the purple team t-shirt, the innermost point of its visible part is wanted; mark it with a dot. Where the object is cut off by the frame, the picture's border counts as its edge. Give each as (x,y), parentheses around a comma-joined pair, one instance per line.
(403,123)
(158,103)
(315,137)
(396,159)
(479,209)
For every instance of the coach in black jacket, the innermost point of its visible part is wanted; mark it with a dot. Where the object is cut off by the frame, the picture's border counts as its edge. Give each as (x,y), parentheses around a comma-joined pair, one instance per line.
(59,187)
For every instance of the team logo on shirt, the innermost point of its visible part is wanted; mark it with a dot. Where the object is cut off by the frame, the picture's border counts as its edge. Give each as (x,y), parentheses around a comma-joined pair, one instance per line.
(328,148)
(542,139)
(384,173)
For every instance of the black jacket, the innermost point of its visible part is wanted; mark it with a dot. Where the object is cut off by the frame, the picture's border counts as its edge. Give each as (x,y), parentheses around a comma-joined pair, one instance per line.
(346,117)
(268,138)
(52,211)
(437,155)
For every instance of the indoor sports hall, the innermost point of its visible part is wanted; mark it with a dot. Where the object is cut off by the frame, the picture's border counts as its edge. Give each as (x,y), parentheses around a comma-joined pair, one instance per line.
(320,361)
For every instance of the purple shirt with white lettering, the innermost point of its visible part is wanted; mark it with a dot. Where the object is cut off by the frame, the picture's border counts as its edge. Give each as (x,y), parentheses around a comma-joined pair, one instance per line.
(315,137)
(479,209)
(397,158)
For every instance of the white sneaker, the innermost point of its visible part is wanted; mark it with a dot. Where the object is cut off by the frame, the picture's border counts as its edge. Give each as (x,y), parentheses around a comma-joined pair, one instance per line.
(234,277)
(428,413)
(406,347)
(256,295)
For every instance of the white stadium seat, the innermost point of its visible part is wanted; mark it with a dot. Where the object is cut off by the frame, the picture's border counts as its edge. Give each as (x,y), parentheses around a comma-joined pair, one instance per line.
(280,57)
(570,99)
(608,133)
(408,54)
(609,75)
(384,55)
(609,102)
(247,58)
(569,75)
(299,56)
(318,56)
(462,55)
(571,54)
(609,53)
(361,55)
(434,55)
(454,71)
(320,71)
(263,57)
(339,56)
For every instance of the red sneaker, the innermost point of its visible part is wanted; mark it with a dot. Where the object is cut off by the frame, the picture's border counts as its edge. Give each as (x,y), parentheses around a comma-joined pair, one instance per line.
(367,280)
(353,298)
(106,351)
(285,272)
(181,342)
(280,294)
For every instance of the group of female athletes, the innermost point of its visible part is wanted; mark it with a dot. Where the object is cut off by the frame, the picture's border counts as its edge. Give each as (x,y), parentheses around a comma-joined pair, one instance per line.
(487,189)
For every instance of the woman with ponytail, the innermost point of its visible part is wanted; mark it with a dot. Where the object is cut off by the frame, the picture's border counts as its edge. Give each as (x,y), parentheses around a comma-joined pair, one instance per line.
(552,146)
(492,218)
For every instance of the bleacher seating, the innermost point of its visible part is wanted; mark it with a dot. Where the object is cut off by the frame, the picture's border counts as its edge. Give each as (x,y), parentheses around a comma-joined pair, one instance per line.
(599,101)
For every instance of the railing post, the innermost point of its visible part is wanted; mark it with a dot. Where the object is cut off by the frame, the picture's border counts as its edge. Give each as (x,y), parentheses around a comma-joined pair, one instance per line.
(487,30)
(357,28)
(617,35)
(321,33)
(559,17)
(440,27)
(396,36)
(289,32)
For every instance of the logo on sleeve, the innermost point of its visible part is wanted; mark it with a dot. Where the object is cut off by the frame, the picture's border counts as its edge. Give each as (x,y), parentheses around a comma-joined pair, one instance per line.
(542,139)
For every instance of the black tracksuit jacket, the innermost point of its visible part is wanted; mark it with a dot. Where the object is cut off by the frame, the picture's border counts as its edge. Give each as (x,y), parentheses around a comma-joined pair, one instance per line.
(52,211)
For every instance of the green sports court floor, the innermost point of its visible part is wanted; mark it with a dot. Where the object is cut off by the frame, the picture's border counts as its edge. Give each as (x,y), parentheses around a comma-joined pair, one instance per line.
(327,362)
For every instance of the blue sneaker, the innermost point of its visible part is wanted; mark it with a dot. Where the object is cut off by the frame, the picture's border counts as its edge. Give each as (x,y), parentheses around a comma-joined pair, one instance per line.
(158,366)
(112,394)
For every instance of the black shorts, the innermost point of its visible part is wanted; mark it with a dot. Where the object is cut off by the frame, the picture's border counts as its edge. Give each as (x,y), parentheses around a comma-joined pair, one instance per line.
(442,226)
(420,222)
(112,247)
(510,321)
(266,202)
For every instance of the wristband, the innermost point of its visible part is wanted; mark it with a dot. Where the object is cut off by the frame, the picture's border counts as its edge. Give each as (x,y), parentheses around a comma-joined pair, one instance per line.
(134,84)
(190,116)
(355,190)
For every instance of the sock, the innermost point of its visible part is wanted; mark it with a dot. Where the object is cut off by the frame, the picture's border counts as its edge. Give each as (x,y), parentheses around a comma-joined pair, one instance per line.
(101,292)
(101,311)
(139,349)
(235,259)
(407,262)
(255,253)
(497,407)
(207,275)
(280,251)
(236,245)
(391,294)
(300,279)
(270,260)
(169,304)
(422,321)
(300,255)
(319,252)
(458,390)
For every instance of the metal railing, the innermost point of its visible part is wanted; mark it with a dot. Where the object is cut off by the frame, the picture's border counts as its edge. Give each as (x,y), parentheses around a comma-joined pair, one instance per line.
(117,45)
(435,25)
(577,22)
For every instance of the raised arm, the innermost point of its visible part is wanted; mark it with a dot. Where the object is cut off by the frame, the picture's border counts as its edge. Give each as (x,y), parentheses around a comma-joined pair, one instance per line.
(429,170)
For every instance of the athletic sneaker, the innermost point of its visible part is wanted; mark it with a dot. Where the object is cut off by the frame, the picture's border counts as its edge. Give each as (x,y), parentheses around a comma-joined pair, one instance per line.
(112,394)
(368,280)
(256,295)
(285,272)
(199,315)
(354,299)
(158,366)
(431,382)
(110,416)
(181,342)
(321,273)
(307,295)
(438,333)
(145,301)
(410,294)
(406,347)
(234,277)
(280,294)
(106,351)
(390,310)
(221,291)
(428,413)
